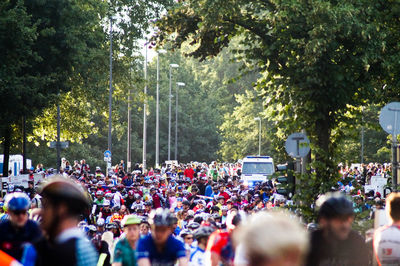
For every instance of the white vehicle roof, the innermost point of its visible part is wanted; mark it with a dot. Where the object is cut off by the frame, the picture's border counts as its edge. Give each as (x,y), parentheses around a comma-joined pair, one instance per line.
(257,159)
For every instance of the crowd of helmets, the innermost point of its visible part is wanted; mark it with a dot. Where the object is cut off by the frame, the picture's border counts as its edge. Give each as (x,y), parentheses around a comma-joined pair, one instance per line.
(197,193)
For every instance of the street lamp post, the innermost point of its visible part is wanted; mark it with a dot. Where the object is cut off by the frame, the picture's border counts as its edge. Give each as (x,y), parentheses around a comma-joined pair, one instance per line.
(176,118)
(158,109)
(144,112)
(169,108)
(259,135)
(110,96)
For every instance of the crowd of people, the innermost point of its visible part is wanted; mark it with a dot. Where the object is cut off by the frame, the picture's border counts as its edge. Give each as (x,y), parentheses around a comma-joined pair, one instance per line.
(187,214)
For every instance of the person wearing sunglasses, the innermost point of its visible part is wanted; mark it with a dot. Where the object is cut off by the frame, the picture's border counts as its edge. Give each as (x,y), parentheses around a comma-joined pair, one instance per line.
(17,230)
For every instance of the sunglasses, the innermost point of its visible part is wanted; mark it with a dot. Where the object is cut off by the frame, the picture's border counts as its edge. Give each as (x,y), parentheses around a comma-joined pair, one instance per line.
(23,212)
(188,237)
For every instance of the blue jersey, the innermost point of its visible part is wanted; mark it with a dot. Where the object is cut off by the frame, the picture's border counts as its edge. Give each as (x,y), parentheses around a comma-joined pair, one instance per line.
(12,241)
(173,250)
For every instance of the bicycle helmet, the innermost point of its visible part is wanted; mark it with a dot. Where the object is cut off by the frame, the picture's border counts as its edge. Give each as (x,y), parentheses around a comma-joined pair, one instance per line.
(17,201)
(334,206)
(130,219)
(185,232)
(60,189)
(111,226)
(99,193)
(193,226)
(160,217)
(204,231)
(100,222)
(92,228)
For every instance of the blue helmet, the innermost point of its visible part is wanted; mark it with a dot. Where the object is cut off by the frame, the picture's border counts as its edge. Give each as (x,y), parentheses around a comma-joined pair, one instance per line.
(17,201)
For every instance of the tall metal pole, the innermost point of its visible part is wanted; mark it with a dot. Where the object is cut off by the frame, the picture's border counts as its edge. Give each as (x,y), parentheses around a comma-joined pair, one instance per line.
(176,123)
(362,136)
(144,111)
(157,114)
(110,97)
(259,139)
(128,150)
(24,145)
(169,108)
(169,112)
(58,147)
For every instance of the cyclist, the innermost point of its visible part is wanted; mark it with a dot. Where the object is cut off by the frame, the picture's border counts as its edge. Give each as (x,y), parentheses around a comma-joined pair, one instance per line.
(198,256)
(335,243)
(386,244)
(17,230)
(220,246)
(124,252)
(161,248)
(63,203)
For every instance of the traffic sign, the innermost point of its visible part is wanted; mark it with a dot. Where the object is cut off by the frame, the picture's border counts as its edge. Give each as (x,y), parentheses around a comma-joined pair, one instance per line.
(63,144)
(107,159)
(389,118)
(107,153)
(297,145)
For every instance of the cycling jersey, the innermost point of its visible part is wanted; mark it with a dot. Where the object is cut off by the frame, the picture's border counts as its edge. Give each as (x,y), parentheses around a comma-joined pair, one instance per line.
(12,240)
(387,245)
(124,254)
(70,248)
(198,257)
(221,243)
(173,250)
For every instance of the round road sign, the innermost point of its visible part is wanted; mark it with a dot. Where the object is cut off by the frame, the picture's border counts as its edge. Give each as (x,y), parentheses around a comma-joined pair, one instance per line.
(297,145)
(389,118)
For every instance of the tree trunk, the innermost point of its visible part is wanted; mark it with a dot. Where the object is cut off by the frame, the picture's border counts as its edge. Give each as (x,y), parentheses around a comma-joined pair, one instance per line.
(6,151)
(324,167)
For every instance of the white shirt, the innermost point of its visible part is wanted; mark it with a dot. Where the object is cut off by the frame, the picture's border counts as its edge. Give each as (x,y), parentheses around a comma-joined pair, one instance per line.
(387,245)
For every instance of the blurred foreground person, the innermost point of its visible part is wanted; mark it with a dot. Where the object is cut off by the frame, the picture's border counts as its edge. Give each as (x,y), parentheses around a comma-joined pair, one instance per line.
(386,238)
(335,243)
(17,231)
(271,239)
(220,248)
(63,202)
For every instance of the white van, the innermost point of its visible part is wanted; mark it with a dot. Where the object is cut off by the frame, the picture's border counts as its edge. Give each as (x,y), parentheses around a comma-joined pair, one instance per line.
(257,169)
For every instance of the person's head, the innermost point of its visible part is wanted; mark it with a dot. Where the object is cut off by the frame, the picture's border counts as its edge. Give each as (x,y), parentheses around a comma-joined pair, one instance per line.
(131,225)
(186,205)
(187,236)
(221,200)
(336,216)
(179,202)
(63,202)
(17,205)
(100,224)
(162,222)
(144,228)
(202,234)
(287,240)
(393,206)
(224,210)
(106,205)
(122,210)
(99,194)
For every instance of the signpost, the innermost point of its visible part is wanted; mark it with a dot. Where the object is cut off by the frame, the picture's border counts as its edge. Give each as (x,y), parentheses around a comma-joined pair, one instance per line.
(63,144)
(298,146)
(389,121)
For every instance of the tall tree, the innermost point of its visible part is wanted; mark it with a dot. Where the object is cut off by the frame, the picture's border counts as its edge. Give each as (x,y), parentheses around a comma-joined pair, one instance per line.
(316,58)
